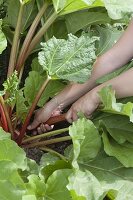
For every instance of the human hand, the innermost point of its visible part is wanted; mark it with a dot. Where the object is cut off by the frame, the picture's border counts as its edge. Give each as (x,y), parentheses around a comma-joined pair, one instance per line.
(41,116)
(86,105)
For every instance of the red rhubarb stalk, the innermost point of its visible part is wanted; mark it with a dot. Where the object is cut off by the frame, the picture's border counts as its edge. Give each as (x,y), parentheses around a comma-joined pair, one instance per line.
(3,119)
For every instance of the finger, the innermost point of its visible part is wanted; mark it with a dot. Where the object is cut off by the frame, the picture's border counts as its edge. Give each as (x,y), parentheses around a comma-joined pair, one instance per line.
(39,130)
(48,128)
(88,116)
(33,125)
(69,116)
(34,133)
(74,116)
(43,128)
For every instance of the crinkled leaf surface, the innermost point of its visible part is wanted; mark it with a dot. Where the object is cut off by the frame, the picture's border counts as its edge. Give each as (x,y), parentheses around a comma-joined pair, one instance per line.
(86,141)
(70,59)
(110,105)
(118,9)
(3,41)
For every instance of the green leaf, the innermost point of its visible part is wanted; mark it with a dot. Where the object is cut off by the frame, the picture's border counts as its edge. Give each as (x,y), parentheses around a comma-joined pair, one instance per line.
(119,127)
(3,41)
(85,186)
(108,37)
(70,59)
(10,151)
(112,175)
(35,186)
(30,11)
(86,141)
(48,159)
(9,190)
(4,135)
(49,169)
(121,152)
(34,82)
(118,9)
(10,173)
(68,6)
(108,99)
(56,185)
(36,66)
(79,20)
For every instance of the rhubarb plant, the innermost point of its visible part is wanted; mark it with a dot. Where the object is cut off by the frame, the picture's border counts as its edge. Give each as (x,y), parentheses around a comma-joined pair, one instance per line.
(99,162)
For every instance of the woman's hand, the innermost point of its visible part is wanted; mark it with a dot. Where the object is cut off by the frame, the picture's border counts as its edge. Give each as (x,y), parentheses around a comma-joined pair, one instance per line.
(41,116)
(86,105)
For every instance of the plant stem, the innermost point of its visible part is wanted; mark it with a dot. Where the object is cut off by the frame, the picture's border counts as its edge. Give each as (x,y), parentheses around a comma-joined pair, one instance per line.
(27,120)
(15,46)
(38,36)
(7,116)
(45,135)
(47,142)
(3,119)
(54,152)
(29,37)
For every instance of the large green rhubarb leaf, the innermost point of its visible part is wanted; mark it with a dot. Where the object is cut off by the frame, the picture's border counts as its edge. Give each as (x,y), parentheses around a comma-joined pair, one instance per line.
(3,41)
(70,59)
(85,186)
(79,20)
(56,185)
(110,105)
(119,127)
(9,150)
(86,141)
(112,175)
(120,151)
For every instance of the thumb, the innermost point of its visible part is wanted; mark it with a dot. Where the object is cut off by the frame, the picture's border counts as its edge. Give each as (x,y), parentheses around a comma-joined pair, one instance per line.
(33,125)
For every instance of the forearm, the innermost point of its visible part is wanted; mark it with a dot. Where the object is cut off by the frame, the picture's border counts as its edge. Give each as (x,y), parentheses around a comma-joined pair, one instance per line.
(117,56)
(122,84)
(72,92)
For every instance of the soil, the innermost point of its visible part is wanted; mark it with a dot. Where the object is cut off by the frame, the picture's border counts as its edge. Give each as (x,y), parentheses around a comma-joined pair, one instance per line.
(36,153)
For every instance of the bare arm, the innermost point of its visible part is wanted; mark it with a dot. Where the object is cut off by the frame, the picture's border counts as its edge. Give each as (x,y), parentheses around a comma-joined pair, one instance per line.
(123,86)
(113,59)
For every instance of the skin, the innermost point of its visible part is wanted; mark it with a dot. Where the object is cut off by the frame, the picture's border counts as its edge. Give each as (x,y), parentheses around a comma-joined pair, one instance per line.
(84,97)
